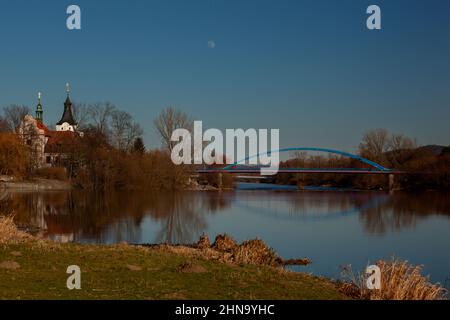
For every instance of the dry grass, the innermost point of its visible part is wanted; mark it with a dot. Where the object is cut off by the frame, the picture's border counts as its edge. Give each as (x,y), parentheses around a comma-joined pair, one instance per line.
(203,243)
(399,281)
(256,252)
(227,250)
(9,233)
(224,243)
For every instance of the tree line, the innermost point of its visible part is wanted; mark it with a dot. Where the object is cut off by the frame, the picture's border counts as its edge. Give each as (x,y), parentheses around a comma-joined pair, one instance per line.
(108,120)
(110,154)
(426,167)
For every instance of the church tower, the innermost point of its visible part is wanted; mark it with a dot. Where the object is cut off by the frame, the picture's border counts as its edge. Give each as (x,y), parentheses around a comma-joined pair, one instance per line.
(67,122)
(39,110)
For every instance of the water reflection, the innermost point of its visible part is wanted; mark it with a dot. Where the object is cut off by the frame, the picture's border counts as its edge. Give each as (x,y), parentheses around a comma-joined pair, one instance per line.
(404,210)
(311,206)
(115,217)
(332,228)
(182,217)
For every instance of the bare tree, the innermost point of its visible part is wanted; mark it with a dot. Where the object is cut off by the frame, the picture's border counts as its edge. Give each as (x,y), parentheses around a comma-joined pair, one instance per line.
(133,132)
(14,114)
(401,148)
(392,149)
(120,121)
(375,144)
(169,120)
(124,129)
(399,142)
(81,114)
(100,114)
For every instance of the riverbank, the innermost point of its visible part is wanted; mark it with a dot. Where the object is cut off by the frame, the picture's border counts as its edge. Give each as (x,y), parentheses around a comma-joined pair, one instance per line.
(32,268)
(35,185)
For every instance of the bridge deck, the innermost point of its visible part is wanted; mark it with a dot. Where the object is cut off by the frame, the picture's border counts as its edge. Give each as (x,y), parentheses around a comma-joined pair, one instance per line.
(304,171)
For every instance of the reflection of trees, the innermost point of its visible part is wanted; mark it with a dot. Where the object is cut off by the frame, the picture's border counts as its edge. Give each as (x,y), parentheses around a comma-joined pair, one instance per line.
(404,210)
(378,212)
(310,205)
(116,217)
(184,215)
(182,219)
(113,217)
(319,202)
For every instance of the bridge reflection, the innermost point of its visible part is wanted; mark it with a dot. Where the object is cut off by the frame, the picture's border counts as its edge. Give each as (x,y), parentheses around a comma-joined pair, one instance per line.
(182,217)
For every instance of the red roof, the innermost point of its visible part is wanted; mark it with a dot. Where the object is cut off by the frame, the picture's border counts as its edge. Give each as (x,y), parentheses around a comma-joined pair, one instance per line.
(60,141)
(42,126)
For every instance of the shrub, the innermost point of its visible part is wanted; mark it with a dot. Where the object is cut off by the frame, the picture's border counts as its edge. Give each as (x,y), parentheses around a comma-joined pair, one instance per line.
(14,156)
(9,232)
(399,281)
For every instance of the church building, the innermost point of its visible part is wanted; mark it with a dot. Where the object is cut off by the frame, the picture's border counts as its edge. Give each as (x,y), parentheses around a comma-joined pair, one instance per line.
(50,148)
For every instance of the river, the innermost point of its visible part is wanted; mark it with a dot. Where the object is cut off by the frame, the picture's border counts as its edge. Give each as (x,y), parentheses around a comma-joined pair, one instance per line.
(333,227)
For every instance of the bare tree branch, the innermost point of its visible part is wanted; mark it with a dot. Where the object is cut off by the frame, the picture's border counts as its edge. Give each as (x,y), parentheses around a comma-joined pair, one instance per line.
(100,114)
(14,114)
(169,120)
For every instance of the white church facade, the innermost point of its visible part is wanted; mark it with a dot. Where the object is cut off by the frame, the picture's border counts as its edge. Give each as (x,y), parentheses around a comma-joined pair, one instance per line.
(50,147)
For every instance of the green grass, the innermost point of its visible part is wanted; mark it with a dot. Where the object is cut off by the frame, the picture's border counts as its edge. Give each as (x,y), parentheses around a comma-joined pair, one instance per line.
(106,275)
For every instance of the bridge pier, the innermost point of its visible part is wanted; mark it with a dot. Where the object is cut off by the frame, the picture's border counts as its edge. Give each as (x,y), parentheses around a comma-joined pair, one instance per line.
(300,180)
(220,181)
(391,182)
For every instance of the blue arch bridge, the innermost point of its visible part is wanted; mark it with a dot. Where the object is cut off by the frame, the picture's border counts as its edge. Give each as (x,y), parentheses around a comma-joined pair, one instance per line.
(240,168)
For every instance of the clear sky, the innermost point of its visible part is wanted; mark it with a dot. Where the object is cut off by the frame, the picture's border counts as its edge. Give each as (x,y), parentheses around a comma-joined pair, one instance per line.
(308,67)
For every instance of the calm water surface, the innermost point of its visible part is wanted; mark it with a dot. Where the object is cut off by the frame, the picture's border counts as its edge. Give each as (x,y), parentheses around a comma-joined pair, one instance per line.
(333,228)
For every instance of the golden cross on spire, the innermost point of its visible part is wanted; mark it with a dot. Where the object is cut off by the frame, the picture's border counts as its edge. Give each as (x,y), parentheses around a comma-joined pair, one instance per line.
(68,88)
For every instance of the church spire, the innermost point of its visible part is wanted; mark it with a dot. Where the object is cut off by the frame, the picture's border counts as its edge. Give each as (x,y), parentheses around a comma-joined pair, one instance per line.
(39,109)
(67,122)
(68,94)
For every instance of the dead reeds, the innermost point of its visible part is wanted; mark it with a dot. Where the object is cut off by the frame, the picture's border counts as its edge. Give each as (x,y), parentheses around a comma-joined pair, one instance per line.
(399,281)
(9,232)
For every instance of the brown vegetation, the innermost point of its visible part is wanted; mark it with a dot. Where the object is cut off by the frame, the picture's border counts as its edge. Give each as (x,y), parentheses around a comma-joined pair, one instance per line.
(51,173)
(429,170)
(109,155)
(399,281)
(9,232)
(102,167)
(217,180)
(253,252)
(14,157)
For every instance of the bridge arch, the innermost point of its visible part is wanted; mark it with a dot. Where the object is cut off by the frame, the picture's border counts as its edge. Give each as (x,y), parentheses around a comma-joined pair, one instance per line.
(332,151)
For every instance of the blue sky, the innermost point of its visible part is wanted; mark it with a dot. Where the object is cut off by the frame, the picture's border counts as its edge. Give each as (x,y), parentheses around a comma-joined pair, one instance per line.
(310,68)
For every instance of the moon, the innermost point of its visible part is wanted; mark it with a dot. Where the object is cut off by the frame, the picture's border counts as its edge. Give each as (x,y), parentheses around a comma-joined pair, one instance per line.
(211,44)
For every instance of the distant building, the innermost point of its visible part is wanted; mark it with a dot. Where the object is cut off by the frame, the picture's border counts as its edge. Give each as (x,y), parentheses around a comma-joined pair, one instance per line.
(67,122)
(50,148)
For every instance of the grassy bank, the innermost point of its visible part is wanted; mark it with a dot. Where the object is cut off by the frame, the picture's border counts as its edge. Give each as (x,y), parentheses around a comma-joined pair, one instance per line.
(31,268)
(37,270)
